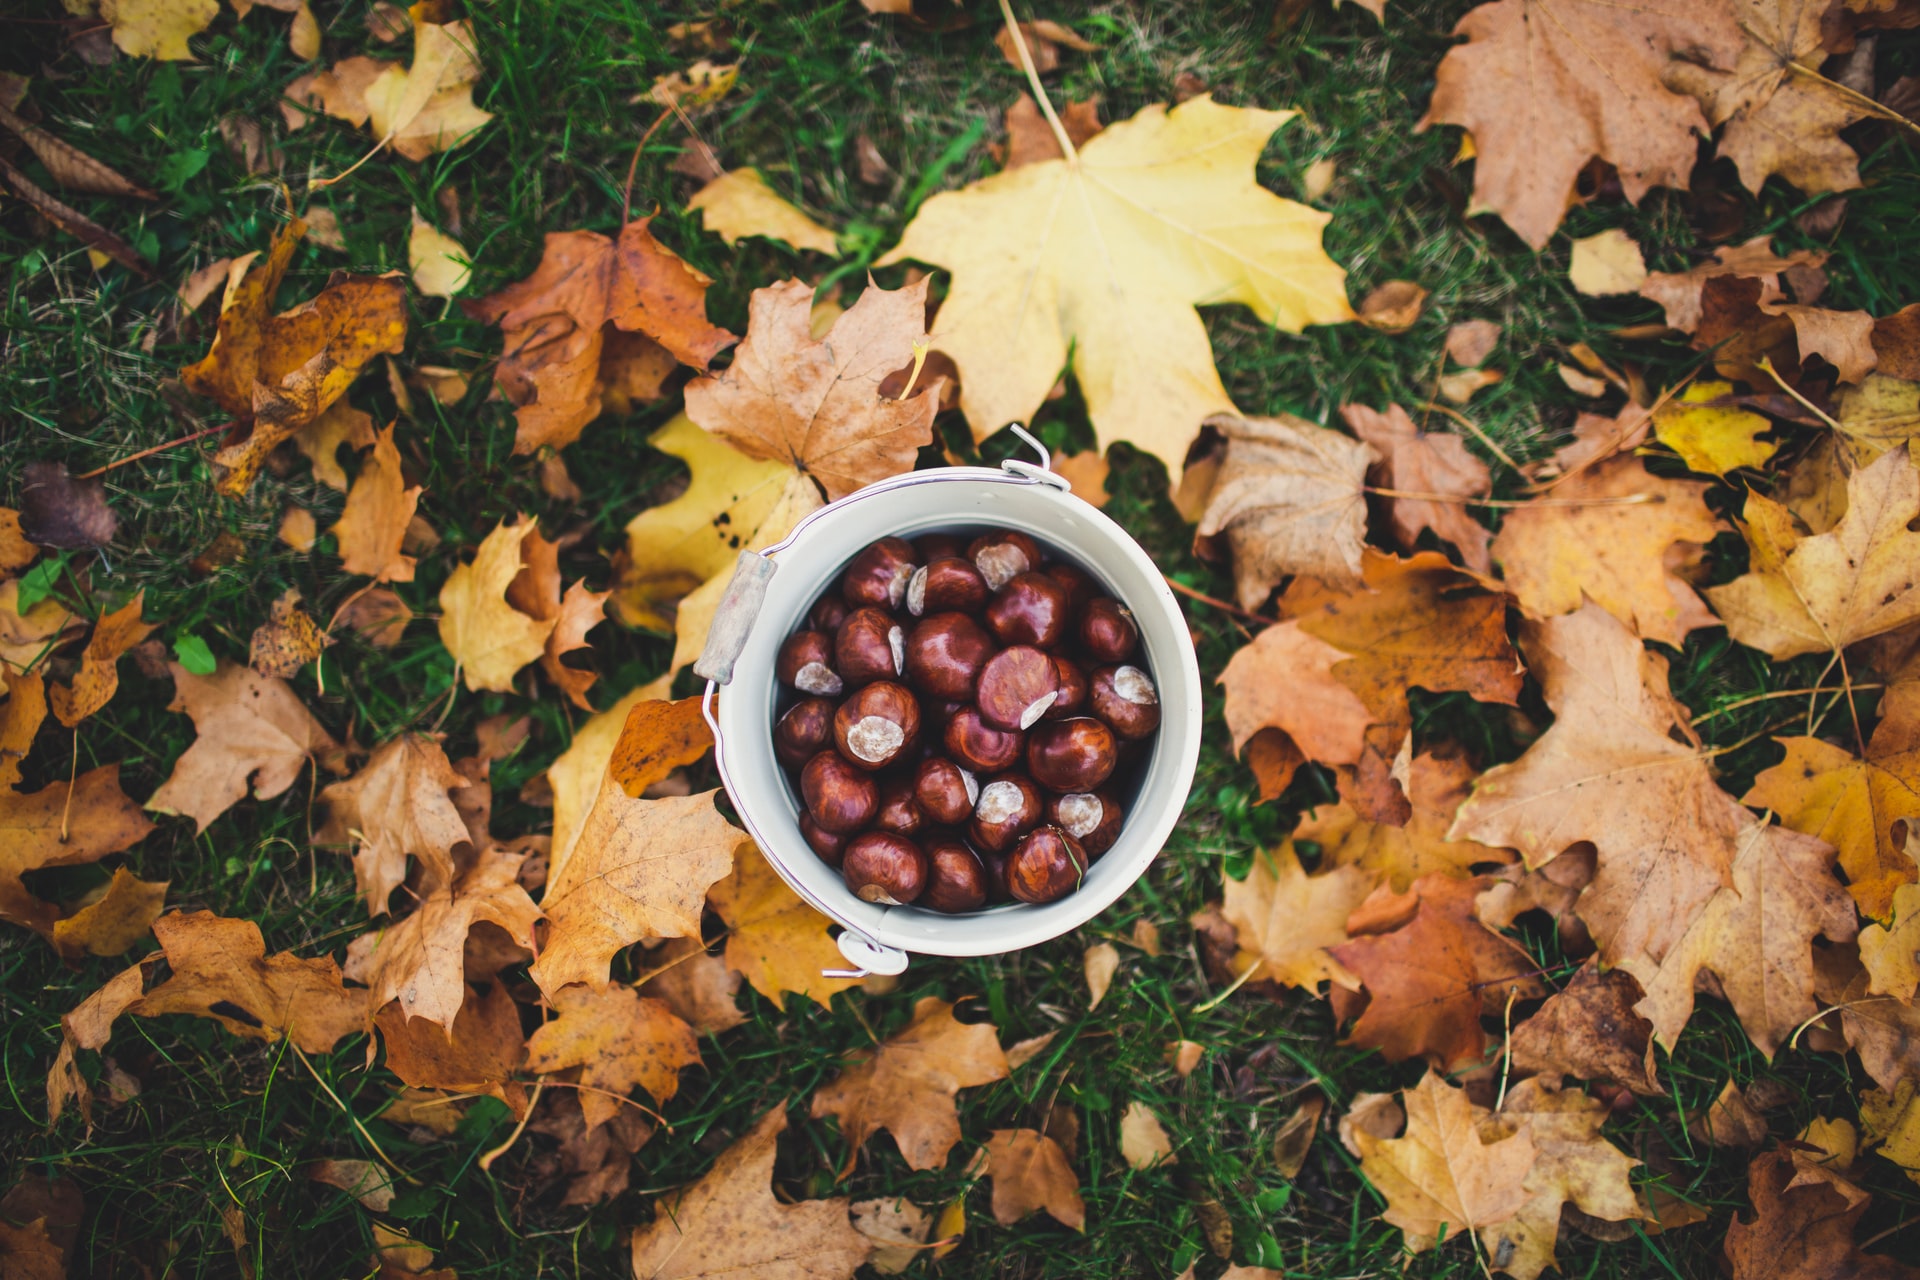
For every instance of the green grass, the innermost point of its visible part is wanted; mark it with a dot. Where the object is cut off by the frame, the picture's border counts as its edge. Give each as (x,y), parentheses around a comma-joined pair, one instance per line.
(87,378)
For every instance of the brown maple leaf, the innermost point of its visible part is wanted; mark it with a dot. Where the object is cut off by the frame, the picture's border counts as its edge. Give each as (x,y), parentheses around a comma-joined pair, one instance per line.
(1572,1165)
(99,675)
(88,1025)
(596,1161)
(815,402)
(1030,138)
(618,1039)
(775,940)
(1427,462)
(1616,553)
(421,961)
(1442,1176)
(250,727)
(398,804)
(379,508)
(730,1224)
(321,439)
(1031,1172)
(1283,681)
(1287,920)
(696,985)
(1430,979)
(220,969)
(657,737)
(559,322)
(1437,784)
(641,868)
(480,624)
(478,1054)
(1681,294)
(1881,1029)
(1288,499)
(580,611)
(907,1085)
(61,825)
(112,919)
(1608,771)
(1802,1227)
(278,372)
(1589,1030)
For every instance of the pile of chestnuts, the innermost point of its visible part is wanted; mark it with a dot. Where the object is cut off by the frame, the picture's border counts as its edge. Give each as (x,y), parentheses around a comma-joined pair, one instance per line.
(960,708)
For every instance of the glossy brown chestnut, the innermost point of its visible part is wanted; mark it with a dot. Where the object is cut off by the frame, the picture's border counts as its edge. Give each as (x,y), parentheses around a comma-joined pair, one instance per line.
(1125,698)
(869,646)
(1030,609)
(1107,630)
(974,744)
(944,655)
(1080,587)
(1044,867)
(956,878)
(830,845)
(998,556)
(945,792)
(1072,755)
(878,576)
(1073,689)
(1009,807)
(807,727)
(947,583)
(806,662)
(841,798)
(828,613)
(1091,817)
(899,812)
(882,867)
(937,546)
(877,725)
(1017,686)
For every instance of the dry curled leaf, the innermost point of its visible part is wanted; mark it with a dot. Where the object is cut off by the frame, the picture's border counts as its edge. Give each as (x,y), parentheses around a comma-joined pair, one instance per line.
(1573,1165)
(489,638)
(220,969)
(1030,139)
(1433,463)
(1607,263)
(288,640)
(1030,1173)
(1287,920)
(397,805)
(696,985)
(111,920)
(1436,785)
(1802,1228)
(478,1056)
(380,506)
(1393,307)
(99,675)
(61,825)
(57,510)
(1589,1030)
(618,1040)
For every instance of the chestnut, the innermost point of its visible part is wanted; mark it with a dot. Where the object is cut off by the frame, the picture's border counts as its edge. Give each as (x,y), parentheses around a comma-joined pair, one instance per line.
(1030,609)
(956,878)
(1080,587)
(1072,755)
(1017,686)
(806,663)
(938,546)
(875,726)
(947,583)
(877,578)
(974,744)
(899,812)
(996,865)
(1009,807)
(807,727)
(831,846)
(870,646)
(828,613)
(999,556)
(945,792)
(945,653)
(1045,866)
(1091,817)
(1125,698)
(1073,689)
(1107,630)
(882,867)
(841,798)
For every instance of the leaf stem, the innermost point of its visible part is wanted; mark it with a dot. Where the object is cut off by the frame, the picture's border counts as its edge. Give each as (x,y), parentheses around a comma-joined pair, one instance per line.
(174,443)
(1019,38)
(1626,500)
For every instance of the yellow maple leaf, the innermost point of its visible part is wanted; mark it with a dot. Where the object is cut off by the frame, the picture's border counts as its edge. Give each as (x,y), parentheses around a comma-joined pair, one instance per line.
(429,106)
(441,266)
(740,203)
(158,28)
(1107,253)
(1710,438)
(1286,919)
(777,942)
(487,636)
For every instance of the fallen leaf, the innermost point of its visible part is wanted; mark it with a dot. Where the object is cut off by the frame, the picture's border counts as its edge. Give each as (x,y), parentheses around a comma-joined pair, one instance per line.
(1442,1177)
(114,920)
(1087,473)
(441,267)
(1044,40)
(59,511)
(303,37)
(898,1230)
(740,203)
(1372,1116)
(1608,771)
(1712,438)
(61,825)
(1025,1051)
(729,1223)
(1470,342)
(288,640)
(480,1054)
(1802,1229)
(558,325)
(1423,462)
(1891,955)
(20,719)
(1289,500)
(398,804)
(776,942)
(1184,1056)
(1822,593)
(1030,1172)
(1294,1137)
(1729,1122)
(428,108)
(1597,437)
(581,611)
(701,84)
(102,245)
(364,1180)
(1318,178)
(1107,255)
(1031,140)
(1881,413)
(1430,980)
(373,523)
(99,676)
(1589,1030)
(1099,964)
(1614,553)
(1606,264)
(71,168)
(815,404)
(1836,1140)
(696,985)
(88,1025)
(220,969)
(1283,681)
(1437,784)
(490,639)
(29,1253)
(298,530)
(1573,1165)
(598,1161)
(420,960)
(1143,1139)
(157,28)
(908,1084)
(640,868)
(618,1040)
(321,439)
(1544,86)
(1393,307)
(1288,921)
(1862,806)
(1581,384)
(1682,294)
(27,638)
(16,552)
(378,614)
